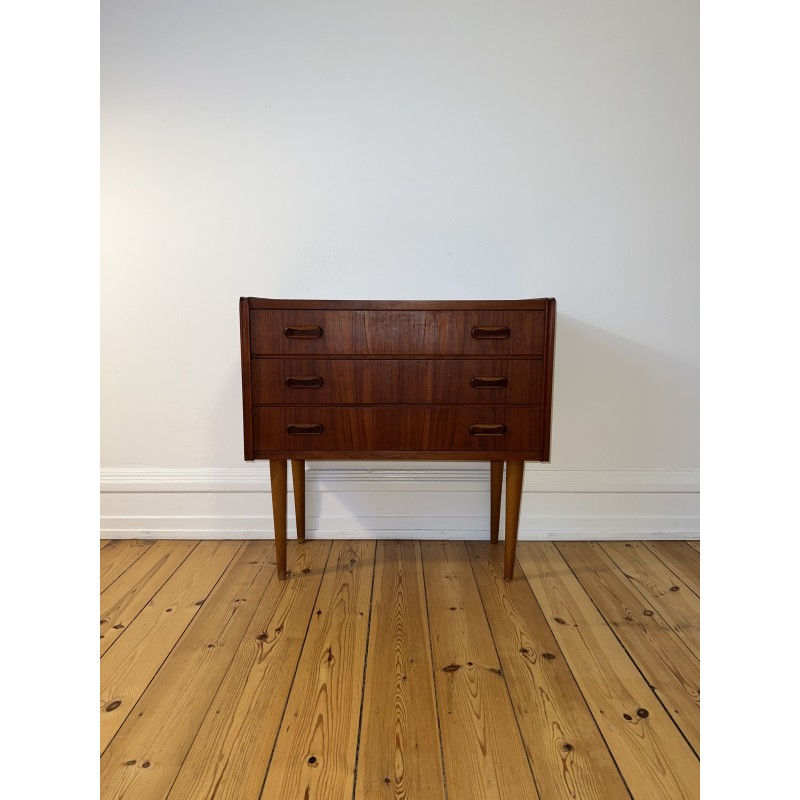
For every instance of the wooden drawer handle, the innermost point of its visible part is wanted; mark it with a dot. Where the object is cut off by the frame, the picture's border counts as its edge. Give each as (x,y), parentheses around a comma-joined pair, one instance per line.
(488,383)
(487,430)
(314,429)
(304,382)
(303,331)
(490,332)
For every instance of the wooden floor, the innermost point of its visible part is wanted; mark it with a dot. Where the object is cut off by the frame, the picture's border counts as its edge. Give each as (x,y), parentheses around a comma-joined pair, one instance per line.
(399,670)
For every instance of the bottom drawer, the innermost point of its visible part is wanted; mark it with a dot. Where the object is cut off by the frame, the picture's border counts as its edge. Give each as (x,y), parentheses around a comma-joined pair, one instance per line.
(412,428)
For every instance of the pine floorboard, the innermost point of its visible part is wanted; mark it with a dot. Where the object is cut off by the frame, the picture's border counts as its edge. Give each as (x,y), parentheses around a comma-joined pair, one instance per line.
(651,753)
(127,668)
(315,753)
(484,754)
(569,757)
(241,725)
(145,755)
(397,670)
(672,671)
(399,693)
(121,603)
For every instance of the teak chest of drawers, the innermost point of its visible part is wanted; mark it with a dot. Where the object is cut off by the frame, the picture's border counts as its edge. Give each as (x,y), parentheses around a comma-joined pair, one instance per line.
(460,380)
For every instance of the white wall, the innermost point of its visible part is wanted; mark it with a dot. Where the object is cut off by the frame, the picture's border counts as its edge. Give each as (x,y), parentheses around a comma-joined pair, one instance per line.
(418,150)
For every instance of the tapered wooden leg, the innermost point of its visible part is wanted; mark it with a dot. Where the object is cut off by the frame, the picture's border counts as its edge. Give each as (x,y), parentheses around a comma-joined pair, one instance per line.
(277,479)
(497,489)
(299,487)
(514,472)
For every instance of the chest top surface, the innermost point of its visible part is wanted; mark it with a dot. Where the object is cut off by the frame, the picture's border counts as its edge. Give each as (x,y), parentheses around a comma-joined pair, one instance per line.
(450,380)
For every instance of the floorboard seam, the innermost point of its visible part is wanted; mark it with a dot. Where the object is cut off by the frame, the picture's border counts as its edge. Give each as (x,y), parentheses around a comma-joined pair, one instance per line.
(364,672)
(433,670)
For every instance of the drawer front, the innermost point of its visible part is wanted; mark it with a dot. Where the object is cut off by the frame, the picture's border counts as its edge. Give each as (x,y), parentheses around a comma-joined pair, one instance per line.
(477,332)
(301,381)
(359,428)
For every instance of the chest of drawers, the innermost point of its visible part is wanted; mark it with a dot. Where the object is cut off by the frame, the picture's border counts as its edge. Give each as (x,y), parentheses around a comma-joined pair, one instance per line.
(434,380)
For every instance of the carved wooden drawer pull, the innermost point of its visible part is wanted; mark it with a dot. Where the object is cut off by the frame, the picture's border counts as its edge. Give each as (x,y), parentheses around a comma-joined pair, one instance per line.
(487,430)
(490,332)
(314,429)
(304,381)
(303,331)
(480,382)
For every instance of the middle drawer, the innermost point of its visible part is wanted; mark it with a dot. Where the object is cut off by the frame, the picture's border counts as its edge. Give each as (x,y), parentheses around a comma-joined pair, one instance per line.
(299,381)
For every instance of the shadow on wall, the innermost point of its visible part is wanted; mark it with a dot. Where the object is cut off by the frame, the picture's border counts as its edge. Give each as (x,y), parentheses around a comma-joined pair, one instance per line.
(618,404)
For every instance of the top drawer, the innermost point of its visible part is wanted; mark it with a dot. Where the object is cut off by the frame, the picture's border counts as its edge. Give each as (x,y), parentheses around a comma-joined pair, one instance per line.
(398,332)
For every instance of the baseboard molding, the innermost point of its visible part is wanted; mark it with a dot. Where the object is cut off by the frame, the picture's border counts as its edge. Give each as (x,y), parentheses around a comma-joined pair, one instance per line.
(395,501)
(368,475)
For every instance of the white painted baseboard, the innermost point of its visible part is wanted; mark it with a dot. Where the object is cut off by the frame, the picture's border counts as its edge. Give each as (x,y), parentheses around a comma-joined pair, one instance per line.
(398,501)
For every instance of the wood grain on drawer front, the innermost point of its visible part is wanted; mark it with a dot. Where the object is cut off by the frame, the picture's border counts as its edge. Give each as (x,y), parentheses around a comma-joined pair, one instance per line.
(383,428)
(399,332)
(300,381)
